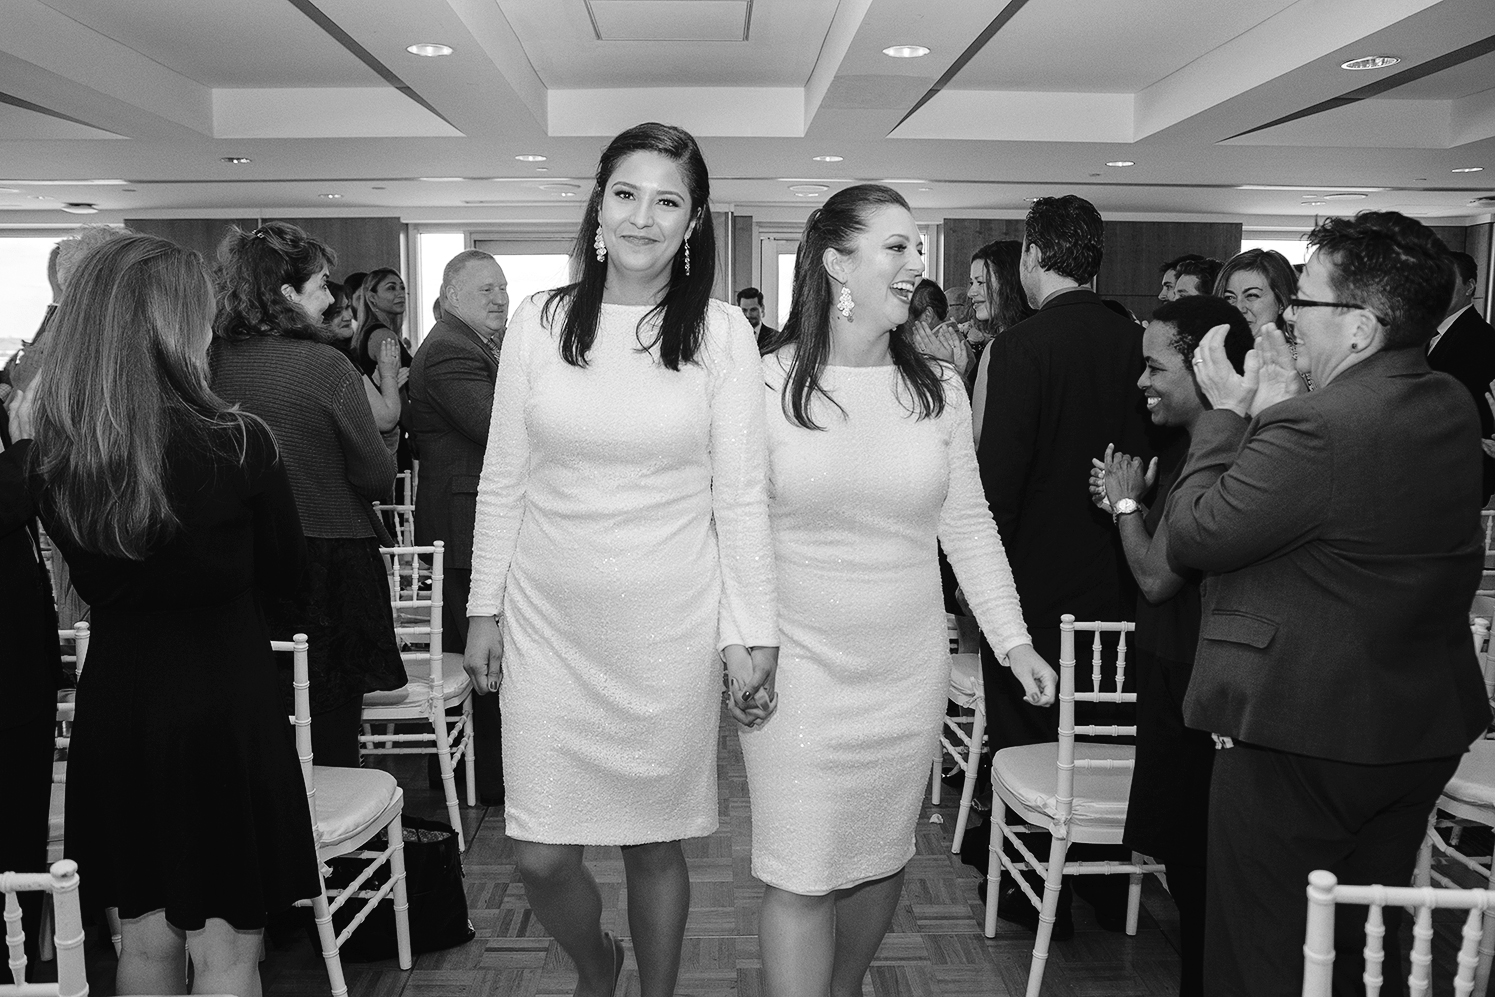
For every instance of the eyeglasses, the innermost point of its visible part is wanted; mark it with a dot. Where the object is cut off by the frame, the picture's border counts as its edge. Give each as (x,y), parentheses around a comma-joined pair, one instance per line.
(1310,303)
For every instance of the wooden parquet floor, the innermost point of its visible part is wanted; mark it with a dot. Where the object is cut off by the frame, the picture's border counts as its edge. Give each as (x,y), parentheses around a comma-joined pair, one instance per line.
(934,949)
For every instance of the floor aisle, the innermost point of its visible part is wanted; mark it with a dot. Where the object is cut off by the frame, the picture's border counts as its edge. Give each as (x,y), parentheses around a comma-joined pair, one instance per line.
(935,947)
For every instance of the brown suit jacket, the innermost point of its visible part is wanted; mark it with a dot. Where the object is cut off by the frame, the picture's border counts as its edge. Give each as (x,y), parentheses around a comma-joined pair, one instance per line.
(1341,531)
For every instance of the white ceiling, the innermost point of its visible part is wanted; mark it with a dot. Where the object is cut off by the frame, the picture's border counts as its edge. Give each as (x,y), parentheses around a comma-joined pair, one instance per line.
(157,92)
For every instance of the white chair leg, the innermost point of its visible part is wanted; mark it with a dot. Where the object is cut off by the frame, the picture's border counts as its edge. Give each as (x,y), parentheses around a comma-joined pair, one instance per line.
(111,915)
(1053,882)
(396,834)
(470,751)
(934,770)
(437,712)
(1486,942)
(994,863)
(973,767)
(1134,896)
(327,936)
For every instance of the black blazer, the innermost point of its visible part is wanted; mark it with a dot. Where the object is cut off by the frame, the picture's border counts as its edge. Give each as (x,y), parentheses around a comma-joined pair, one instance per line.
(451,402)
(31,666)
(1341,531)
(1062,384)
(1467,351)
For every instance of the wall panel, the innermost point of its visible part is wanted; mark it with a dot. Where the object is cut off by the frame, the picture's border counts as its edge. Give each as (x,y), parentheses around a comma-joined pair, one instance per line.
(201,234)
(361,243)
(963,236)
(1135,250)
(1453,236)
(744,253)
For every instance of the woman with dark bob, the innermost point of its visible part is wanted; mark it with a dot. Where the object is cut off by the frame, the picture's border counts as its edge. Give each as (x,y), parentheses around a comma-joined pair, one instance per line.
(270,356)
(1340,531)
(1258,282)
(1167,815)
(621,552)
(185,807)
(871,467)
(999,302)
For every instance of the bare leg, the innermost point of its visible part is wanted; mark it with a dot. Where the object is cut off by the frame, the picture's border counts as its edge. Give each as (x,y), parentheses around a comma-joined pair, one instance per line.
(797,942)
(152,956)
(225,960)
(658,905)
(563,895)
(863,915)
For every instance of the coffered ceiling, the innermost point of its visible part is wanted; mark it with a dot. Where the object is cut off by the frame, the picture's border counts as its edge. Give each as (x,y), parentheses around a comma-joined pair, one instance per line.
(1225,109)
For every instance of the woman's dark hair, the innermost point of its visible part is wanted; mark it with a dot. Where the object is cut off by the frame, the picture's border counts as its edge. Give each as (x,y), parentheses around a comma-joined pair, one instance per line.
(683,308)
(928,295)
(1004,285)
(372,316)
(1282,280)
(1070,234)
(1392,265)
(836,225)
(1193,316)
(125,384)
(252,268)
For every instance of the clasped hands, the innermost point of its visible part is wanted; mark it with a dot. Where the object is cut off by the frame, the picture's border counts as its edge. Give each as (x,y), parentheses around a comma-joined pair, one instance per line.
(748,679)
(1270,375)
(1117,476)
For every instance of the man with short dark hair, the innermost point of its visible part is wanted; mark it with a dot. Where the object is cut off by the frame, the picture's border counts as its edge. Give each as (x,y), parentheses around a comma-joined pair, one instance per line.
(750,300)
(451,402)
(1464,346)
(1062,384)
(1169,271)
(1193,277)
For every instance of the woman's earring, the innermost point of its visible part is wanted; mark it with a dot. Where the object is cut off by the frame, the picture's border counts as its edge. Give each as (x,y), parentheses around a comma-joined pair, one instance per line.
(844,304)
(601,246)
(687,258)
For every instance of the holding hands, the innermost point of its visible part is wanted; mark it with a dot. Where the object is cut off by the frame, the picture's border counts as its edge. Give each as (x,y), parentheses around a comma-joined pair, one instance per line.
(1270,374)
(749,681)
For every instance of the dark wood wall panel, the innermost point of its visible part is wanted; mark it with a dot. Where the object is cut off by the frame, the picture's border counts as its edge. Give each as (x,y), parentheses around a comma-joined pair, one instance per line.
(743,249)
(201,234)
(1135,250)
(963,236)
(361,243)
(1453,236)
(1479,242)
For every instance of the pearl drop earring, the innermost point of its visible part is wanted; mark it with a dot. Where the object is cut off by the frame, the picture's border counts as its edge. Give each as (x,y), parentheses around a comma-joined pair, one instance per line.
(600,246)
(844,304)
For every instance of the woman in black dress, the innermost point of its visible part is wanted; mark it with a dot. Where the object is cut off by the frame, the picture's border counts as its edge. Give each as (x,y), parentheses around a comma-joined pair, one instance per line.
(1168,812)
(185,806)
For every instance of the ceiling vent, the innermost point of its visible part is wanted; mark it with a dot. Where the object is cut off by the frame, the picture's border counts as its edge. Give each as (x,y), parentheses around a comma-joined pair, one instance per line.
(671,20)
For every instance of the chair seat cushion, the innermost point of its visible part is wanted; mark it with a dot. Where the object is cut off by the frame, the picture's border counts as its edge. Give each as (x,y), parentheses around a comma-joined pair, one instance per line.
(455,685)
(1474,783)
(966,687)
(352,804)
(1028,778)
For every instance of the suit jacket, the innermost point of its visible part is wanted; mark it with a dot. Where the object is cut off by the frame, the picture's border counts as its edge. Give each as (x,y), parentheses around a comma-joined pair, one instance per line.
(766,333)
(1467,351)
(31,667)
(451,401)
(1061,385)
(1341,529)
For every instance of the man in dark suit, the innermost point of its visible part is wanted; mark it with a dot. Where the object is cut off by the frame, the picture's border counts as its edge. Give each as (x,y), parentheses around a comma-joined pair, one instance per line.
(1464,346)
(451,400)
(1339,531)
(750,300)
(1061,385)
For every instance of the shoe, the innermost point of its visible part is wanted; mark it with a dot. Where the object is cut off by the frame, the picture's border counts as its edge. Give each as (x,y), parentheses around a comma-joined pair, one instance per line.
(1014,907)
(616,947)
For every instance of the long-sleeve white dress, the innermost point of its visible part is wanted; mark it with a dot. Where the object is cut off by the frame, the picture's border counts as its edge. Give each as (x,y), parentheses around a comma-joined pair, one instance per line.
(837,775)
(622,530)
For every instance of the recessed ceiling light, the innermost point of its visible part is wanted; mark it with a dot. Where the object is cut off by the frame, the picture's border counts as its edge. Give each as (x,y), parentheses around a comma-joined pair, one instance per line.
(80,209)
(127,190)
(1371,62)
(442,179)
(905,51)
(41,197)
(926,188)
(809,188)
(1346,196)
(8,190)
(1030,200)
(333,196)
(235,160)
(827,159)
(1314,203)
(430,49)
(378,188)
(903,180)
(560,186)
(1121,162)
(568,193)
(805,194)
(542,169)
(1467,169)
(530,159)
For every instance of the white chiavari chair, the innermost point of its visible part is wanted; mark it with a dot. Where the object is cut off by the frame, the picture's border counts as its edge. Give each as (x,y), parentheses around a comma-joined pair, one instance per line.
(61,884)
(349,807)
(78,635)
(961,736)
(402,509)
(438,695)
(1325,893)
(1037,783)
(1487,529)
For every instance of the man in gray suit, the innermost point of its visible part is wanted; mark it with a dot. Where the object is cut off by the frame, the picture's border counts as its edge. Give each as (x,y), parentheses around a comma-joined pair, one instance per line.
(451,400)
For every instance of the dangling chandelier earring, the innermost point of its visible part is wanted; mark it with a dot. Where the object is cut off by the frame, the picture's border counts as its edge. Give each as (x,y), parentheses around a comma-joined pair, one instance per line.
(600,246)
(844,304)
(687,258)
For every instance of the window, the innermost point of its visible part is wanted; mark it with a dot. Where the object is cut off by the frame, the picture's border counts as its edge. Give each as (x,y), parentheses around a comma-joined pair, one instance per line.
(24,290)
(534,259)
(1296,250)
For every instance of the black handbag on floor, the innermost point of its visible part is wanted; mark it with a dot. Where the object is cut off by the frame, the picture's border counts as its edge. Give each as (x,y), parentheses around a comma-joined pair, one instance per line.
(433,881)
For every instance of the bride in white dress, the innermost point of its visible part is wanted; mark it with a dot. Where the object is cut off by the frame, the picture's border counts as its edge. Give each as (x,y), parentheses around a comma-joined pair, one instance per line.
(871,467)
(621,545)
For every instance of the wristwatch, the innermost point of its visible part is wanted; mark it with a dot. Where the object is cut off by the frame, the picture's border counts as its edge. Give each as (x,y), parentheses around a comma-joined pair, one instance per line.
(1124,507)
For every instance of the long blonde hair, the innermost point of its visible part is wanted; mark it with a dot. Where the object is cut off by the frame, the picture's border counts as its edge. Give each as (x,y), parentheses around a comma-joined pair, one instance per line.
(124,379)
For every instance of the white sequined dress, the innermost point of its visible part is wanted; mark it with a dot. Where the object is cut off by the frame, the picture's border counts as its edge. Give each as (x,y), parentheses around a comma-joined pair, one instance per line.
(837,776)
(622,528)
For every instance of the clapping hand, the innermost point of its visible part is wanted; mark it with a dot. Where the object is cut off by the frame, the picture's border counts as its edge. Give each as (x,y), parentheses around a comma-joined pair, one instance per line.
(749,681)
(1117,476)
(1277,378)
(928,341)
(389,363)
(18,407)
(1270,374)
(1489,443)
